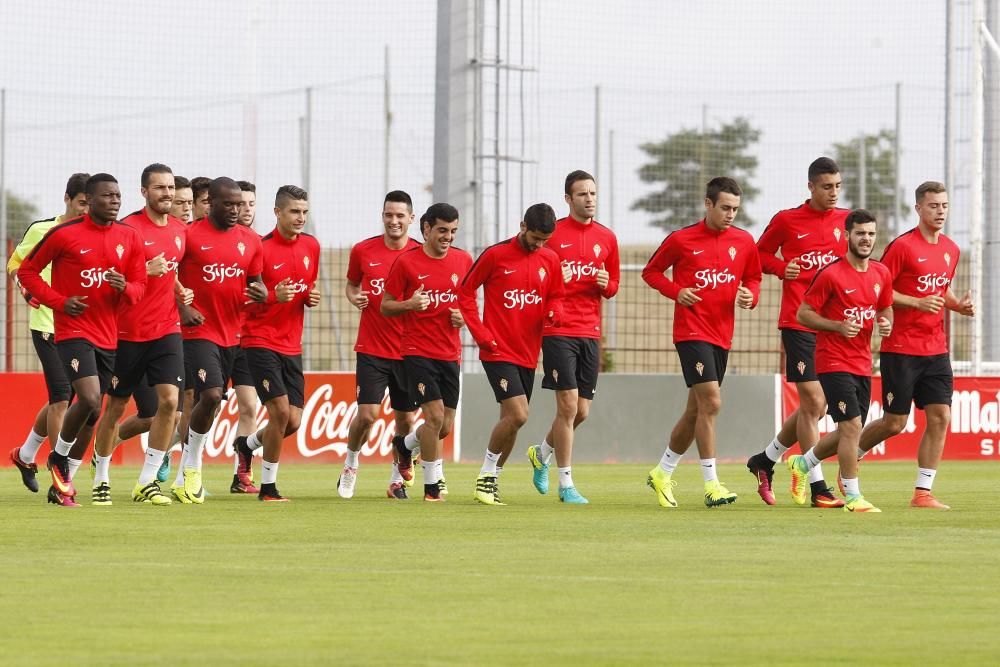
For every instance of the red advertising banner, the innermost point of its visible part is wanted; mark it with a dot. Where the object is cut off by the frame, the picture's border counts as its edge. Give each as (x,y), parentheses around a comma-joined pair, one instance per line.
(329,408)
(975,421)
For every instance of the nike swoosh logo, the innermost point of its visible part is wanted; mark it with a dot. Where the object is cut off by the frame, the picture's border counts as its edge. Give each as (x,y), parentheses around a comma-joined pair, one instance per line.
(697,252)
(921,259)
(149,243)
(565,245)
(374,263)
(507,273)
(802,236)
(84,252)
(426,275)
(850,291)
(278,266)
(206,247)
(180,379)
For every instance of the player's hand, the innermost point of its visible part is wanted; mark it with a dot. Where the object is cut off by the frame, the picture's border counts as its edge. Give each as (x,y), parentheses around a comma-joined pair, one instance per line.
(191,317)
(850,328)
(490,346)
(283,292)
(744,298)
(419,300)
(966,306)
(185,294)
(457,320)
(884,326)
(157,266)
(359,300)
(314,297)
(567,271)
(688,296)
(602,277)
(255,292)
(792,270)
(75,306)
(932,303)
(32,301)
(115,279)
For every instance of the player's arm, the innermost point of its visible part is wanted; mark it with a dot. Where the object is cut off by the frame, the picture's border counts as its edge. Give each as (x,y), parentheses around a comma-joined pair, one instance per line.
(257,292)
(29,273)
(395,285)
(356,296)
(554,297)
(313,297)
(612,267)
(655,273)
(808,317)
(749,291)
(964,306)
(768,245)
(134,272)
(469,306)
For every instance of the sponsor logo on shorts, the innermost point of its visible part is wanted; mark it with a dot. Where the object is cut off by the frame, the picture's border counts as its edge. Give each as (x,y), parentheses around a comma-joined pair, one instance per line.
(802,367)
(503,384)
(114,381)
(45,336)
(843,407)
(242,248)
(555,375)
(421,387)
(202,375)
(888,398)
(357,391)
(700,367)
(74,364)
(267,385)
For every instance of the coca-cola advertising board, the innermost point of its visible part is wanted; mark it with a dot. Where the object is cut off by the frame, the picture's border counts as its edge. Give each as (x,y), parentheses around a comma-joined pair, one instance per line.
(975,421)
(330,405)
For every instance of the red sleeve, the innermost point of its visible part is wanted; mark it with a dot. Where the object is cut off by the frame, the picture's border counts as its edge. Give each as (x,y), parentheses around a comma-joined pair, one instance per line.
(395,282)
(135,271)
(818,291)
(256,266)
(613,266)
(664,257)
(354,273)
(752,273)
(885,294)
(557,290)
(894,258)
(30,272)
(481,270)
(767,246)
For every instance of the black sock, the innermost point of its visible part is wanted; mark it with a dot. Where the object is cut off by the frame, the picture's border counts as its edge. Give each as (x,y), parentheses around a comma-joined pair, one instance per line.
(760,460)
(818,487)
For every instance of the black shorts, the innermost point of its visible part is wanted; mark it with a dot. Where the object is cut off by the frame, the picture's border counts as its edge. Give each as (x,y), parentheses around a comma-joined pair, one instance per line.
(702,362)
(433,380)
(923,380)
(139,366)
(374,375)
(800,355)
(81,359)
(570,363)
(275,374)
(847,395)
(241,370)
(209,365)
(56,381)
(509,380)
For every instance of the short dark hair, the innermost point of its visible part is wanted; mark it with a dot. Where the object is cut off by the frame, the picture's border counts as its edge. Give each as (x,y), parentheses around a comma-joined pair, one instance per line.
(822,165)
(92,182)
(936,187)
(540,218)
(399,197)
(578,175)
(247,186)
(439,211)
(722,184)
(220,184)
(76,184)
(180,182)
(286,193)
(155,168)
(200,185)
(858,216)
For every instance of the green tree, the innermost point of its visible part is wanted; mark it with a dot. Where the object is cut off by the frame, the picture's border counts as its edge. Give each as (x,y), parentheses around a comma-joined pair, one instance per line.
(685,161)
(20,214)
(880,174)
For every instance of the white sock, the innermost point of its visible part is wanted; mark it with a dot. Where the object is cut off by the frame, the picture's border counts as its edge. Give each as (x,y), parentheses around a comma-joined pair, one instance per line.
(775,450)
(439,468)
(566,477)
(852,486)
(546,451)
(74,465)
(30,447)
(103,471)
(196,445)
(812,460)
(815,474)
(254,440)
(925,478)
(63,447)
(236,460)
(410,440)
(670,460)
(268,472)
(489,464)
(352,459)
(150,464)
(395,477)
(499,470)
(708,471)
(179,479)
(430,472)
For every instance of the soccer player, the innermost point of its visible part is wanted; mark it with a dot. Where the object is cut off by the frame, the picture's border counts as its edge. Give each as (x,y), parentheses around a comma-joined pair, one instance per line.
(248,210)
(808,237)
(40,322)
(915,364)
(715,268)
(379,363)
(97,263)
(844,304)
(570,353)
(430,342)
(199,192)
(273,336)
(149,362)
(182,205)
(522,289)
(222,264)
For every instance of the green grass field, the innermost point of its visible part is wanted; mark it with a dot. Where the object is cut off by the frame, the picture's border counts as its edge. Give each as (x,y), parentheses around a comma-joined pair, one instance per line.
(621,581)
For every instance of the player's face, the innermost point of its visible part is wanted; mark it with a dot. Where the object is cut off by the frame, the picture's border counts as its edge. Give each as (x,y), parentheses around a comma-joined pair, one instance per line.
(292,218)
(933,210)
(825,191)
(248,210)
(183,204)
(861,240)
(439,236)
(225,209)
(532,241)
(105,202)
(159,193)
(201,206)
(76,205)
(396,219)
(722,213)
(582,200)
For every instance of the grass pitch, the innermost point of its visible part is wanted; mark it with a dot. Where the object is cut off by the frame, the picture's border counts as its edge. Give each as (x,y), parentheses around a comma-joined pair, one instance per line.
(321,580)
